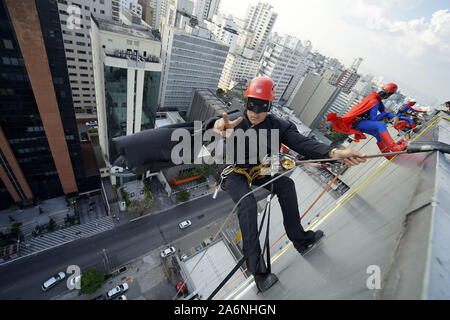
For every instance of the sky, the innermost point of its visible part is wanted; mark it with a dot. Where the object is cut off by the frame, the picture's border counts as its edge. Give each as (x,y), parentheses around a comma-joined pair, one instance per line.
(405,41)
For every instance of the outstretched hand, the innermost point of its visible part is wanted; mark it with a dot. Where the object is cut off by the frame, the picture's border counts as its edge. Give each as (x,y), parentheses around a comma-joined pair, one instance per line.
(224,127)
(352,157)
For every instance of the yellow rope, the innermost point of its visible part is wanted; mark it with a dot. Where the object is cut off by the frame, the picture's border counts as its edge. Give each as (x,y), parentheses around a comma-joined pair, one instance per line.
(255,172)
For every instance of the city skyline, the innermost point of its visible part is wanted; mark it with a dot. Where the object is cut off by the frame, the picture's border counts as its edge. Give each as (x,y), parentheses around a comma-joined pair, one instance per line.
(416,30)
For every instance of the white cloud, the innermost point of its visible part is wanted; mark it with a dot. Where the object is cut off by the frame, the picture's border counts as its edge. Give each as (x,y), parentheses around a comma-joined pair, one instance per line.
(414,51)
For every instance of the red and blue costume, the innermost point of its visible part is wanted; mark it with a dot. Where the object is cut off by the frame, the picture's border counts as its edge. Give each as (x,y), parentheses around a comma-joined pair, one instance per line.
(366,117)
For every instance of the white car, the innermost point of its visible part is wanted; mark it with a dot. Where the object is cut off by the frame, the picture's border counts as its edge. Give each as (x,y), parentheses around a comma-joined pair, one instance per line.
(184,257)
(122,297)
(167,252)
(119,289)
(91,123)
(185,224)
(53,281)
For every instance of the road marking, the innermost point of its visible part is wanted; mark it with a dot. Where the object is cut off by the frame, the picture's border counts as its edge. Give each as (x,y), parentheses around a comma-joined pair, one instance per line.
(56,212)
(7,289)
(29,222)
(60,220)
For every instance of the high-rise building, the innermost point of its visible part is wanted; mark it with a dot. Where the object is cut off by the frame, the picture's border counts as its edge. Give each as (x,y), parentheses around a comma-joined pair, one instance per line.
(259,23)
(127,72)
(206,9)
(147,12)
(238,68)
(40,153)
(75,24)
(343,103)
(356,63)
(224,29)
(347,80)
(282,56)
(132,5)
(305,66)
(313,99)
(205,105)
(159,10)
(192,58)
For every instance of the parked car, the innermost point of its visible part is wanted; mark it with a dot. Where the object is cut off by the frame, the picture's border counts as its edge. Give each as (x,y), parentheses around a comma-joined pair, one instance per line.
(122,297)
(117,290)
(185,224)
(54,280)
(184,257)
(167,252)
(91,123)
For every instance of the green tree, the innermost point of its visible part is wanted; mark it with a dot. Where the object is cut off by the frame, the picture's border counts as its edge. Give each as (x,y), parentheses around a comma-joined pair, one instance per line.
(183,196)
(220,92)
(15,228)
(91,281)
(337,137)
(51,225)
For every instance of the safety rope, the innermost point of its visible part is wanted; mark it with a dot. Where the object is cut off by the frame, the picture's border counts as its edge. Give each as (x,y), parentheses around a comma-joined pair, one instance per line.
(255,172)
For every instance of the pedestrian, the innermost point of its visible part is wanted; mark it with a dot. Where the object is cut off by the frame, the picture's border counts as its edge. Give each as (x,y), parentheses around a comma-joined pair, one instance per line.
(260,94)
(367,117)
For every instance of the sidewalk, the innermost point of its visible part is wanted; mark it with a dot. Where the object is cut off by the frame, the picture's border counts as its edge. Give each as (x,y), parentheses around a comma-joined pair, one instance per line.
(55,209)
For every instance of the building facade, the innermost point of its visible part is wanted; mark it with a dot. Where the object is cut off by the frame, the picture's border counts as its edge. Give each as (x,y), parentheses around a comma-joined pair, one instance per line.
(39,146)
(260,20)
(206,9)
(75,24)
(127,71)
(281,58)
(313,100)
(192,58)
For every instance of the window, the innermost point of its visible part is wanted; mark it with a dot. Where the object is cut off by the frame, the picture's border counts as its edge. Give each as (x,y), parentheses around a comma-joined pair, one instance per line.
(81,52)
(7,44)
(79,34)
(81,43)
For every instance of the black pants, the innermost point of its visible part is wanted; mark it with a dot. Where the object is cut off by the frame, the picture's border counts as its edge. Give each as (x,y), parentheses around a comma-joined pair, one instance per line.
(236,185)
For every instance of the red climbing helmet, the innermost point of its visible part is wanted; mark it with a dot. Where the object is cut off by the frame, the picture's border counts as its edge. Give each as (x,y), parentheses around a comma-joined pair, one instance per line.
(261,88)
(390,88)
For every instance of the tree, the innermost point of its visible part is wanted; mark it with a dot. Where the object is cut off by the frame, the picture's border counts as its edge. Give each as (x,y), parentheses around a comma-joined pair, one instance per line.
(183,196)
(337,137)
(220,92)
(15,228)
(91,281)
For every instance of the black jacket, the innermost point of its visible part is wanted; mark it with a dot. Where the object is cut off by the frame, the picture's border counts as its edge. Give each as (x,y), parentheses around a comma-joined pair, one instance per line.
(151,149)
(288,135)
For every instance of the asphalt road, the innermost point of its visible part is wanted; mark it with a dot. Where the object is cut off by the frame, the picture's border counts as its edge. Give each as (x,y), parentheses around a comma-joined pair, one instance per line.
(22,279)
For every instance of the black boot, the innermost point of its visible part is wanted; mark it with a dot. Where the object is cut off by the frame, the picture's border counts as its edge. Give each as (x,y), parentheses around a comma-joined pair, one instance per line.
(265,280)
(305,248)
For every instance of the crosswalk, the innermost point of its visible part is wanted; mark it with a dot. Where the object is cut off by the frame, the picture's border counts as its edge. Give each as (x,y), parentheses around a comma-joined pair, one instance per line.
(60,237)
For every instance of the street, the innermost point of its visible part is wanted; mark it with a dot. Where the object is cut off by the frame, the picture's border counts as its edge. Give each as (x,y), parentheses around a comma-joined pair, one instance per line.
(22,279)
